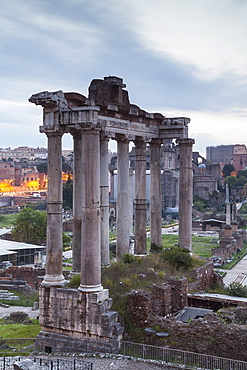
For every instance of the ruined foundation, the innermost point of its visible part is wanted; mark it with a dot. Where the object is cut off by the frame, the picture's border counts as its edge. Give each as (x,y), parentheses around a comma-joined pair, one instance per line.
(70,318)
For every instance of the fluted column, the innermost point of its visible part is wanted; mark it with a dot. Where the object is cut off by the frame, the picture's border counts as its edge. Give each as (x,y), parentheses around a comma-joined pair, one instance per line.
(54,246)
(140,197)
(122,196)
(185,192)
(90,230)
(78,195)
(104,201)
(155,194)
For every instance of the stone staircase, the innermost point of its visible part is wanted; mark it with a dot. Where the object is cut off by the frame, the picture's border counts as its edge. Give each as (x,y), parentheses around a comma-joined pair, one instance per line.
(5,295)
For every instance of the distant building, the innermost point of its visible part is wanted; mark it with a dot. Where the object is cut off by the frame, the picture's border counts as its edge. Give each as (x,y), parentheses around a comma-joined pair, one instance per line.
(220,154)
(233,154)
(23,152)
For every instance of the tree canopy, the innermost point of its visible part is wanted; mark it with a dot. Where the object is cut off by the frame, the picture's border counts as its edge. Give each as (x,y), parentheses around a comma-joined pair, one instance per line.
(68,195)
(30,226)
(232,181)
(42,167)
(228,169)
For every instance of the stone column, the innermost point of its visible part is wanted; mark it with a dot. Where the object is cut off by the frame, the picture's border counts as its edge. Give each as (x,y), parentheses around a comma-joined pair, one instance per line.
(155,193)
(131,210)
(104,201)
(140,197)
(78,195)
(54,246)
(228,206)
(185,192)
(90,230)
(122,196)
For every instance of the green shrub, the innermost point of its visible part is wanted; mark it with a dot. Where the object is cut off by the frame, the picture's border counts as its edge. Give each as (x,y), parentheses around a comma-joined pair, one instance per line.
(178,257)
(237,290)
(129,258)
(155,248)
(75,281)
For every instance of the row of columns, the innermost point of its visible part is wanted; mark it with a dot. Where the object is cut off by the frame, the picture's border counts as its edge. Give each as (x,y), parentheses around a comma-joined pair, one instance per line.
(91,203)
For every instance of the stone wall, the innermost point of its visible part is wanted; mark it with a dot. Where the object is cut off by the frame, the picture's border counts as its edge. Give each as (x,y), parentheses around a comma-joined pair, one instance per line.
(209,335)
(203,277)
(179,291)
(32,276)
(163,300)
(139,307)
(170,297)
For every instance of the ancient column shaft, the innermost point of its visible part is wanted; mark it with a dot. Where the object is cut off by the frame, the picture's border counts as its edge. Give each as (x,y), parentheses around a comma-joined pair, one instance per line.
(155,194)
(78,195)
(122,197)
(185,192)
(140,197)
(54,246)
(90,230)
(104,201)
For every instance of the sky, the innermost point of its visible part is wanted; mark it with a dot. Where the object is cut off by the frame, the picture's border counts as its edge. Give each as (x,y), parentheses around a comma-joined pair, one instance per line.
(177,57)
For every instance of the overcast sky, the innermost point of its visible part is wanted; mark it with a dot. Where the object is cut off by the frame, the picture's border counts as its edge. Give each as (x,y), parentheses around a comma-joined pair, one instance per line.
(178,57)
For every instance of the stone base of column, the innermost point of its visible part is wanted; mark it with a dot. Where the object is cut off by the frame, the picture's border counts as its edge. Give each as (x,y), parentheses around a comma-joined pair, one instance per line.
(77,316)
(51,343)
(53,280)
(90,288)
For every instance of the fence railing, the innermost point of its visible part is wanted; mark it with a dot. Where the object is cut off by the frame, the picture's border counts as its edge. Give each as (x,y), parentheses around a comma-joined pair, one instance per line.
(173,356)
(55,363)
(130,349)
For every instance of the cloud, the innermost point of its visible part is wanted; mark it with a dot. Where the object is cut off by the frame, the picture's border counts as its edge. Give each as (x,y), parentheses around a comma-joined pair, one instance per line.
(206,34)
(188,60)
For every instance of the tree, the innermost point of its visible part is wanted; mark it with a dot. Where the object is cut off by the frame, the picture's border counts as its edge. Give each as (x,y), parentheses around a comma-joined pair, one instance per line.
(242,180)
(237,290)
(30,226)
(232,181)
(242,173)
(68,194)
(66,167)
(66,241)
(42,167)
(228,169)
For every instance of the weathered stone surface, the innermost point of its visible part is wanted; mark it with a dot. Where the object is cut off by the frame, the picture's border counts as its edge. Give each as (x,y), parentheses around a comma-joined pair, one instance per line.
(77,315)
(25,364)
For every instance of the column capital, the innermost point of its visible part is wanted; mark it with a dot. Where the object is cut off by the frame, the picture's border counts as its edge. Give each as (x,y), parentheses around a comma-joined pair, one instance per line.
(53,133)
(123,138)
(76,133)
(139,141)
(156,142)
(105,136)
(185,141)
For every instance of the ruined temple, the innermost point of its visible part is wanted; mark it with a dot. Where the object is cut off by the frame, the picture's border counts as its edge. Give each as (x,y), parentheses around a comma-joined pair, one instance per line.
(105,114)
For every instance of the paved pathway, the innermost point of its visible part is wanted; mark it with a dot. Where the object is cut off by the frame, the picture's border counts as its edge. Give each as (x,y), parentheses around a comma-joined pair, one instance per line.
(126,364)
(237,274)
(6,311)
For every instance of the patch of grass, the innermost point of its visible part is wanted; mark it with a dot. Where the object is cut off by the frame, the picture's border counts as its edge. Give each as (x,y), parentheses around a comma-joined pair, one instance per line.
(19,331)
(168,240)
(202,246)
